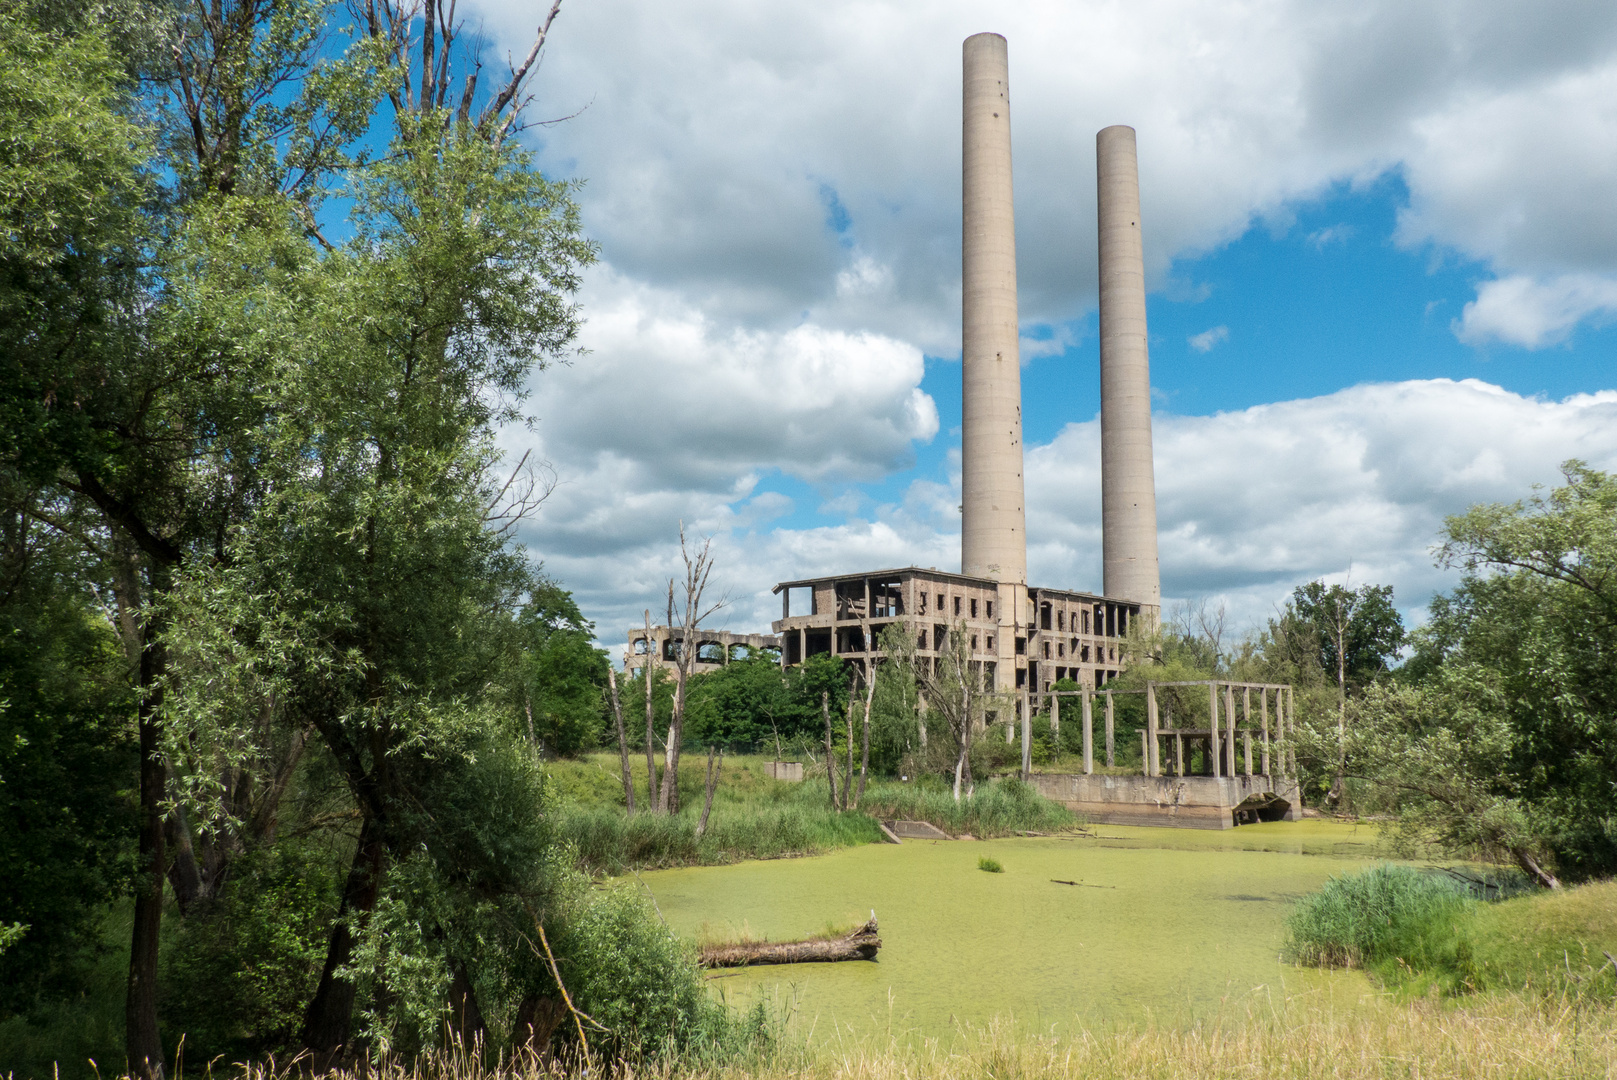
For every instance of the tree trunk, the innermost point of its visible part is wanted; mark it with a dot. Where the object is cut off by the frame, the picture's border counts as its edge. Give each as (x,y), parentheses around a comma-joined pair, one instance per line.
(864,754)
(623,740)
(830,754)
(1530,866)
(327,1020)
(466,1026)
(536,1021)
(184,876)
(847,777)
(142,1042)
(862,944)
(651,759)
(712,786)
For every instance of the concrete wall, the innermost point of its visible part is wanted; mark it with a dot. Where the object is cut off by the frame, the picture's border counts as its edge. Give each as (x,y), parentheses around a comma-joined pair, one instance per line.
(1195,802)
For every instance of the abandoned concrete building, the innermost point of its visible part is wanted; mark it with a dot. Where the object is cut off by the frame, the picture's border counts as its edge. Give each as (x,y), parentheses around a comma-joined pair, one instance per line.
(714,649)
(1060,635)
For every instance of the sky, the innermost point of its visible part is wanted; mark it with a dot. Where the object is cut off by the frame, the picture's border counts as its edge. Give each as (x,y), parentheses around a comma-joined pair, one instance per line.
(1381,253)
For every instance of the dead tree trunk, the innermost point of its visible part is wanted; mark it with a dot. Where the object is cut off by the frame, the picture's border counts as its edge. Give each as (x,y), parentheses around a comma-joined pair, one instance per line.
(646,670)
(864,754)
(847,777)
(623,739)
(830,754)
(712,786)
(1531,867)
(862,944)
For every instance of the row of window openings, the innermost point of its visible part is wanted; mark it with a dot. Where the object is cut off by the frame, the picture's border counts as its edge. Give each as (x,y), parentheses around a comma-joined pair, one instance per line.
(939,637)
(1080,652)
(987,604)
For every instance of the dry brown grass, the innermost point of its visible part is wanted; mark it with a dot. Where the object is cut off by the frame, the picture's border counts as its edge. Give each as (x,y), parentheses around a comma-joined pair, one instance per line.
(1497,1037)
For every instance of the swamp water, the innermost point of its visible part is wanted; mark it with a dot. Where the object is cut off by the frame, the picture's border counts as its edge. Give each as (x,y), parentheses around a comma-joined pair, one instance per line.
(1174,925)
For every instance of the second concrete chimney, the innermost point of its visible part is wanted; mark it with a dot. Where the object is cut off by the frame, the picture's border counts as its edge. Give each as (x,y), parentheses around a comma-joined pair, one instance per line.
(1128,484)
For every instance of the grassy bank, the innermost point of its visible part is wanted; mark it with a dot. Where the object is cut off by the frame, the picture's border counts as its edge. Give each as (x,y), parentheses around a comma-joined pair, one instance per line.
(1423,932)
(1503,1037)
(757,817)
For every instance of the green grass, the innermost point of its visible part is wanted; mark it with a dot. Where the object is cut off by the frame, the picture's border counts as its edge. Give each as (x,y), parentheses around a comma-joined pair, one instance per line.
(991,865)
(756,817)
(1548,941)
(1423,932)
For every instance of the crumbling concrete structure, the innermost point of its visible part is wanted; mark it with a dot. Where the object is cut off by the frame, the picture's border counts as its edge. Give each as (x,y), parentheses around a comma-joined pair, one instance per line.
(1227,786)
(1058,635)
(714,649)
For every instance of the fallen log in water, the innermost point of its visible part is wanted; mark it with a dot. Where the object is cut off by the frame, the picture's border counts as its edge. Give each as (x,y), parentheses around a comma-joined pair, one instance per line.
(859,945)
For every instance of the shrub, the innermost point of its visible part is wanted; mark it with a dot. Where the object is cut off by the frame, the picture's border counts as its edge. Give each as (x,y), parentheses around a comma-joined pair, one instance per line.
(1384,917)
(241,968)
(990,865)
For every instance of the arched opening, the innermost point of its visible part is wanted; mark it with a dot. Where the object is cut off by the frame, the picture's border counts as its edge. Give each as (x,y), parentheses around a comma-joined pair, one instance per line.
(710,652)
(1263,806)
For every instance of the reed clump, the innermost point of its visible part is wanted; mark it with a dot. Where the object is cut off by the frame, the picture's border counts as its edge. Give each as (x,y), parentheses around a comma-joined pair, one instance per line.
(1385,913)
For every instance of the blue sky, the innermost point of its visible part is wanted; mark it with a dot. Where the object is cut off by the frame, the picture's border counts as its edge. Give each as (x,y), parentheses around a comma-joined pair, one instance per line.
(1381,246)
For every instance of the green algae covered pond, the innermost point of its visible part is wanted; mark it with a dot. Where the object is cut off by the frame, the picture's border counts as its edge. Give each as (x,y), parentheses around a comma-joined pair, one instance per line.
(1173,925)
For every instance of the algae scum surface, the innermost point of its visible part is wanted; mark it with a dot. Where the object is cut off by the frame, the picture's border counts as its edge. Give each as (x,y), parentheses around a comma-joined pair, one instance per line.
(1165,923)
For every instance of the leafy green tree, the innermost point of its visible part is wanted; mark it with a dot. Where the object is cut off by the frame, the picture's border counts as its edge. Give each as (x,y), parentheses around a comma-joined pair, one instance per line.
(1359,633)
(564,699)
(66,757)
(1505,738)
(743,704)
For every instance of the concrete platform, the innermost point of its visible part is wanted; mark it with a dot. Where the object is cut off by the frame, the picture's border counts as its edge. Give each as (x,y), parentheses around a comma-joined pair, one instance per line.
(1187,802)
(917,830)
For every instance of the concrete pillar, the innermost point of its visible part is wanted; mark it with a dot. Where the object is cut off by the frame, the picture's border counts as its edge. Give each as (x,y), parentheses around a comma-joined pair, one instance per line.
(1263,709)
(993,528)
(1128,485)
(1089,742)
(1055,721)
(1111,756)
(1179,755)
(1212,728)
(1246,740)
(1027,740)
(1154,765)
(1111,726)
(1229,726)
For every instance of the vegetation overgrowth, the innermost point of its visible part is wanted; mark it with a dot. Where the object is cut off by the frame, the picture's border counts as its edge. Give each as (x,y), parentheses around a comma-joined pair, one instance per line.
(1424,931)
(757,817)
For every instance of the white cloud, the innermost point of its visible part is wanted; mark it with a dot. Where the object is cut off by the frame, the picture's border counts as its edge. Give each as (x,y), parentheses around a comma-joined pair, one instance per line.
(1204,341)
(1533,313)
(736,155)
(1250,503)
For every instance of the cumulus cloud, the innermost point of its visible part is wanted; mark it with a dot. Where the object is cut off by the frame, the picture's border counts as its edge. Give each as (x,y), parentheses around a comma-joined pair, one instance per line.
(1207,339)
(1250,504)
(1533,313)
(737,156)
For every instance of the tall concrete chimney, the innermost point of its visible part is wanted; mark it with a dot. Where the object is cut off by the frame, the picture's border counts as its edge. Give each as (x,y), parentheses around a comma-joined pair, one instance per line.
(1128,486)
(993,526)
